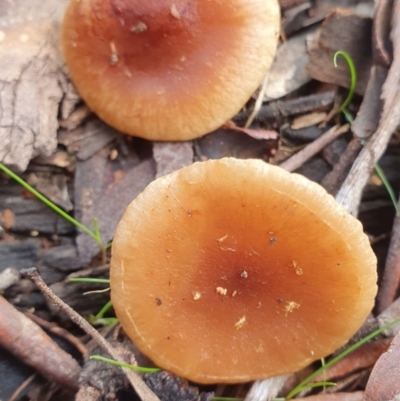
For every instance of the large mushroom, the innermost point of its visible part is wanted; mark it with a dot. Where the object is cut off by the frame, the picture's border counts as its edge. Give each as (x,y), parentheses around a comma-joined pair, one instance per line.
(233,270)
(168,69)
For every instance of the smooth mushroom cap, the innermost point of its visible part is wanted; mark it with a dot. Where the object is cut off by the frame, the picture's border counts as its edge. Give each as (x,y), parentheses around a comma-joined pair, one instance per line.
(232,270)
(169,69)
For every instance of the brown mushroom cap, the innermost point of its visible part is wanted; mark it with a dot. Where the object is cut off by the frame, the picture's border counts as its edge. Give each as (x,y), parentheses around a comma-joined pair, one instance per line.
(230,271)
(169,69)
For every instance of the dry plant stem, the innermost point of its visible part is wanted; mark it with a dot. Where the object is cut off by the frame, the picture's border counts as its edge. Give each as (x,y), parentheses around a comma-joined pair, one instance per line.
(30,344)
(362,358)
(259,101)
(350,193)
(60,332)
(335,178)
(137,383)
(266,390)
(17,394)
(391,276)
(313,148)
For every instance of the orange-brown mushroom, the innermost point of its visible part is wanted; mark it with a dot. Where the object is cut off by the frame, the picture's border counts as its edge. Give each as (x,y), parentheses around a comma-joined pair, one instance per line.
(168,69)
(230,271)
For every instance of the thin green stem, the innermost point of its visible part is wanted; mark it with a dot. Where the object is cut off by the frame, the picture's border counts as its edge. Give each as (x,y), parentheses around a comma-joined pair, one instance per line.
(89,280)
(100,314)
(300,387)
(388,187)
(48,203)
(353,78)
(140,369)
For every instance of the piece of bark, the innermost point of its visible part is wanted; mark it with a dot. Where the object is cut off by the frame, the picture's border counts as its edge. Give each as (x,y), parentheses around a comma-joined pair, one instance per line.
(27,215)
(345,30)
(333,180)
(334,150)
(88,138)
(293,19)
(97,136)
(33,83)
(8,277)
(288,70)
(30,344)
(290,107)
(53,186)
(303,134)
(233,143)
(19,255)
(290,3)
(76,118)
(63,258)
(314,169)
(382,46)
(171,156)
(172,388)
(50,275)
(384,382)
(367,120)
(105,379)
(308,120)
(103,190)
(59,158)
(392,83)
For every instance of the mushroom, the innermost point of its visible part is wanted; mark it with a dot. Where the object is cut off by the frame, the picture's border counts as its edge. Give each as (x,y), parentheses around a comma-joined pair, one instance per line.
(235,270)
(170,69)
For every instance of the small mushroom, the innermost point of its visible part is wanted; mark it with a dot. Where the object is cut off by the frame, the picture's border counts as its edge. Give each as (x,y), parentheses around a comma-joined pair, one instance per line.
(279,321)
(168,69)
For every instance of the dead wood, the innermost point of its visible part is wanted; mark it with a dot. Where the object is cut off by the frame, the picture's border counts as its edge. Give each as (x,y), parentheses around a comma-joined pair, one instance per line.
(31,345)
(33,83)
(313,148)
(140,387)
(384,383)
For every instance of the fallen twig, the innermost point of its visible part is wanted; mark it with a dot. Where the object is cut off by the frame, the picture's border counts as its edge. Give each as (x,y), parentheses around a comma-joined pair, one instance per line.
(30,344)
(137,383)
(313,148)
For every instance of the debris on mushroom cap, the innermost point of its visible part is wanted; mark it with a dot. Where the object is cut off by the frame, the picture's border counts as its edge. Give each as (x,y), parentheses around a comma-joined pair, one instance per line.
(171,69)
(281,318)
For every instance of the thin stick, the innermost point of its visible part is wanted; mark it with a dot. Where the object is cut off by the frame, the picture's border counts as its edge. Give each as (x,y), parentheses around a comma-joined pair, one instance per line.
(137,383)
(313,148)
(349,195)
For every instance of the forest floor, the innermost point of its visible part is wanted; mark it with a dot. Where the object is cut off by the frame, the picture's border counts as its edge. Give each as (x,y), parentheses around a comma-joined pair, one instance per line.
(304,124)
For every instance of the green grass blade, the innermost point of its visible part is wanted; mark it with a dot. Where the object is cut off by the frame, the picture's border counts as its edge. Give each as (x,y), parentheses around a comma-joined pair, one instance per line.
(140,369)
(388,187)
(103,310)
(47,202)
(300,387)
(89,280)
(353,79)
